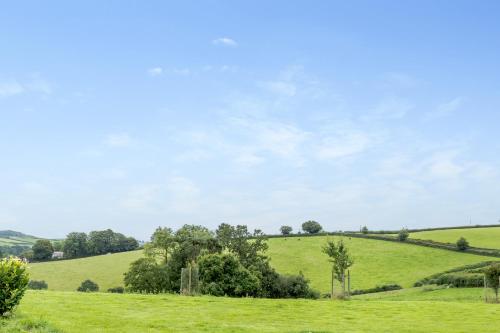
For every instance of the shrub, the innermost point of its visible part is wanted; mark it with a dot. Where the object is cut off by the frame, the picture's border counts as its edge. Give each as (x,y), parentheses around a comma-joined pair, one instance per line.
(403,235)
(311,227)
(364,230)
(286,230)
(88,286)
(116,290)
(492,275)
(296,286)
(14,279)
(37,285)
(377,289)
(147,276)
(462,244)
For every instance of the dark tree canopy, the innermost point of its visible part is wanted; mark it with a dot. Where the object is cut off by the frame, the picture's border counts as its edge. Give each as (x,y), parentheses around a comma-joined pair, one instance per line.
(42,249)
(75,245)
(462,244)
(311,227)
(286,230)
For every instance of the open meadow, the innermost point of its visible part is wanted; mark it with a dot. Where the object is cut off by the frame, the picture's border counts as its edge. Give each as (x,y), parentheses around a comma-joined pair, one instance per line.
(477,237)
(98,312)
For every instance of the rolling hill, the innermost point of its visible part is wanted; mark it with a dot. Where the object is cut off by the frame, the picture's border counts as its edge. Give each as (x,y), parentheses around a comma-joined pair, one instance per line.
(376,262)
(11,238)
(477,237)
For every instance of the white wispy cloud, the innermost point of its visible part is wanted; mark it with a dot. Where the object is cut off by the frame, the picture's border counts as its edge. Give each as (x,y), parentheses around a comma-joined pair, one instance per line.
(155,71)
(11,88)
(36,84)
(119,140)
(445,109)
(225,41)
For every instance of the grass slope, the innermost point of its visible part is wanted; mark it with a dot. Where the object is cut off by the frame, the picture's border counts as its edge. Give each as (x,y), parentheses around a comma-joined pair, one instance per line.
(106,270)
(376,262)
(87,313)
(429,293)
(477,237)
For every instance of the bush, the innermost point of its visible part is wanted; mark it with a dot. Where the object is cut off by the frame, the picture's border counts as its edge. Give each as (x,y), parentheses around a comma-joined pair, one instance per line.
(224,275)
(296,286)
(88,286)
(311,227)
(37,285)
(147,276)
(403,235)
(492,275)
(364,230)
(14,279)
(377,289)
(116,290)
(286,230)
(462,244)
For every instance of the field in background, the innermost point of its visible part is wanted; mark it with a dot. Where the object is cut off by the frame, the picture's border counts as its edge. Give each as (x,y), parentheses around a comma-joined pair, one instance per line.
(98,312)
(106,270)
(477,237)
(376,262)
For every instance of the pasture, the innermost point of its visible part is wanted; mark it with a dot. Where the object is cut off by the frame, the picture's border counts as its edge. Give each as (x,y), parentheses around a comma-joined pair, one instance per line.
(99,312)
(477,237)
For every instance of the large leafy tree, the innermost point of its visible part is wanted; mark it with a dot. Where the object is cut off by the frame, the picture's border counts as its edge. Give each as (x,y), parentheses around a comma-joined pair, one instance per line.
(147,276)
(162,244)
(341,260)
(42,249)
(286,230)
(75,245)
(311,227)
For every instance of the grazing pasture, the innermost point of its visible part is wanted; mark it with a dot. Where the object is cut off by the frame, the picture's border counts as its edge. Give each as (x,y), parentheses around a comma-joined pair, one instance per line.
(375,262)
(477,237)
(98,312)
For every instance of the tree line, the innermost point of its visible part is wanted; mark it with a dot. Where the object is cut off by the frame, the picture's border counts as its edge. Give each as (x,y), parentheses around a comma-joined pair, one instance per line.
(80,244)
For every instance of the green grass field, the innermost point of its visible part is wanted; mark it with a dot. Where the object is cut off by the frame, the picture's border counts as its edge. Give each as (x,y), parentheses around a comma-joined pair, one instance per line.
(106,270)
(86,313)
(376,262)
(429,293)
(24,241)
(477,237)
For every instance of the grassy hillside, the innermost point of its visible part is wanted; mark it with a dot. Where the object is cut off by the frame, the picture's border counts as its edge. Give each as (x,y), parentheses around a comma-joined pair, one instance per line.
(84,312)
(376,262)
(106,270)
(10,238)
(477,237)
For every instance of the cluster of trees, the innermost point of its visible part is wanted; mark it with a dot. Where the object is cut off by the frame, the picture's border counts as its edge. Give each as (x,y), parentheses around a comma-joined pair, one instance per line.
(79,244)
(230,261)
(309,227)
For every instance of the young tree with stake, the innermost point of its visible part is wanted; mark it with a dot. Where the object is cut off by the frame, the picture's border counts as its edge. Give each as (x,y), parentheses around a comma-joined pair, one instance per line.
(341,260)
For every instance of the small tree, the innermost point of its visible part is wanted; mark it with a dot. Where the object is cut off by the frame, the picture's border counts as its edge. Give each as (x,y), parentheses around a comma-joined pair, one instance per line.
(492,275)
(14,279)
(364,230)
(403,235)
(88,286)
(42,249)
(311,227)
(162,244)
(462,244)
(341,260)
(286,230)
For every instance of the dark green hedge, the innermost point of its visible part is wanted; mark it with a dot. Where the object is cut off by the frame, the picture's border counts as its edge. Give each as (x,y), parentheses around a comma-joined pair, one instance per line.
(377,289)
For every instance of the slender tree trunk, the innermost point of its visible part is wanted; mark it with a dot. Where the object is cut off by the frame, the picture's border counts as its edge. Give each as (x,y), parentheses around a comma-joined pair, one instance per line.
(349,283)
(333,279)
(343,283)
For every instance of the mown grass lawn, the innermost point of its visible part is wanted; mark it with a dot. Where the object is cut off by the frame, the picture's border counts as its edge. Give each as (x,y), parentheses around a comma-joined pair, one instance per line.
(99,312)
(477,237)
(375,262)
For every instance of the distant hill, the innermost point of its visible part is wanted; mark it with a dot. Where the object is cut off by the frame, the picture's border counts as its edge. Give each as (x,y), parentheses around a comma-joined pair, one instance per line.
(11,233)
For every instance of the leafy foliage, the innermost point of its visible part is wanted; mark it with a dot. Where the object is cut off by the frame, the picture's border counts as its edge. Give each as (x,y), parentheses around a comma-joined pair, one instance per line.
(340,258)
(79,244)
(377,289)
(42,249)
(88,286)
(462,244)
(403,235)
(286,230)
(311,227)
(14,279)
(37,285)
(364,229)
(116,290)
(492,275)
(147,276)
(75,245)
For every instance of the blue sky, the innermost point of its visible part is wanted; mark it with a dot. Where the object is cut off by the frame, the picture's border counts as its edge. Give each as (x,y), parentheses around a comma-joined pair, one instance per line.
(130,115)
